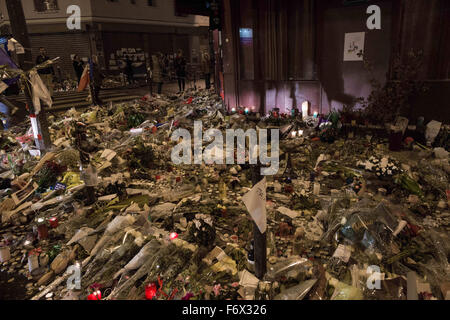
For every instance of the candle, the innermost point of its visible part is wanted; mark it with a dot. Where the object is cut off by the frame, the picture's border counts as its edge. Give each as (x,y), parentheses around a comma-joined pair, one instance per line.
(288,189)
(97,295)
(173,236)
(53,222)
(247,111)
(316,189)
(42,232)
(224,212)
(316,114)
(300,132)
(305,109)
(5,254)
(33,262)
(150,291)
(233,110)
(294,134)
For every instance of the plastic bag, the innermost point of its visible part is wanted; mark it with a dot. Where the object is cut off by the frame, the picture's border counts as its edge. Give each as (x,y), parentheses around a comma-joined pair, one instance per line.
(432,131)
(120,222)
(343,291)
(373,228)
(298,292)
(288,265)
(89,176)
(140,258)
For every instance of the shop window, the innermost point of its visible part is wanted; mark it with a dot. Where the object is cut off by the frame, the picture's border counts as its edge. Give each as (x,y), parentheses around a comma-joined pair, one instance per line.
(46,5)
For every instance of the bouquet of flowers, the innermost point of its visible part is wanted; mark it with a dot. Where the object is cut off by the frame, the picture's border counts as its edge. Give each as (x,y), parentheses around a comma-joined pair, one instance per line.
(382,167)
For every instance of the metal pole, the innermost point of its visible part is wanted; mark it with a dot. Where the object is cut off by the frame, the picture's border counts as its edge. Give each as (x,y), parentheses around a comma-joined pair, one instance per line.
(260,239)
(20,32)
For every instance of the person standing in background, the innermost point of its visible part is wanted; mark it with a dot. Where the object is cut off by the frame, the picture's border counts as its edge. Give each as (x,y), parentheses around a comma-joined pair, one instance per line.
(157,71)
(206,68)
(180,68)
(149,79)
(171,68)
(78,67)
(46,74)
(129,70)
(97,80)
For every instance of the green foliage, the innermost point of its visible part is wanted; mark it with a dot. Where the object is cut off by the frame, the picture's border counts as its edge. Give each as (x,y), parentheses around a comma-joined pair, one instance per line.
(141,156)
(394,98)
(48,175)
(135,120)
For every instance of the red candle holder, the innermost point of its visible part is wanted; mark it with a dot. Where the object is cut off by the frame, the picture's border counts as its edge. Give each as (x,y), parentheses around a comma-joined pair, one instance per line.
(42,232)
(53,222)
(150,291)
(224,213)
(97,295)
(288,189)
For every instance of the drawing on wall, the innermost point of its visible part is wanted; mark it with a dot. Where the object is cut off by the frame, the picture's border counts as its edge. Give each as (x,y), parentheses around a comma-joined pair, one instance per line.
(354,46)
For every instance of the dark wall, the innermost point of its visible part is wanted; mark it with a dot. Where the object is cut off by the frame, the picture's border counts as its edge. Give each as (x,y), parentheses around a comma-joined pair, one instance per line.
(344,81)
(339,82)
(433,104)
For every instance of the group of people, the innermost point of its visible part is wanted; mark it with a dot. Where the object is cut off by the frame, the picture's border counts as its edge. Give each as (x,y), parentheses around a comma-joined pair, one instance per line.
(157,70)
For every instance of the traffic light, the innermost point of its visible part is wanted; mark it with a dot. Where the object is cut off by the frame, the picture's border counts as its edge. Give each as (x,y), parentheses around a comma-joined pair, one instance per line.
(216,15)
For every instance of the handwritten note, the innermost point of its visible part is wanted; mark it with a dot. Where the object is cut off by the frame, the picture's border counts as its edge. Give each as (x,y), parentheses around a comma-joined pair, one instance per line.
(255,201)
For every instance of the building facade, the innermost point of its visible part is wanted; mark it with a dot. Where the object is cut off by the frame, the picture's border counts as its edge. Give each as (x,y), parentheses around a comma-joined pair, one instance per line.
(111,29)
(280,53)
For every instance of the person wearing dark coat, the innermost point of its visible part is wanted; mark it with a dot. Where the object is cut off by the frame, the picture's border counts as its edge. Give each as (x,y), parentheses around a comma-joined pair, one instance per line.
(129,70)
(78,67)
(97,79)
(180,68)
(46,74)
(206,69)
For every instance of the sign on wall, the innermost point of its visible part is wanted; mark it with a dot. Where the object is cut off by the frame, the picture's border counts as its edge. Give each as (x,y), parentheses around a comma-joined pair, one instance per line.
(246,36)
(354,46)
